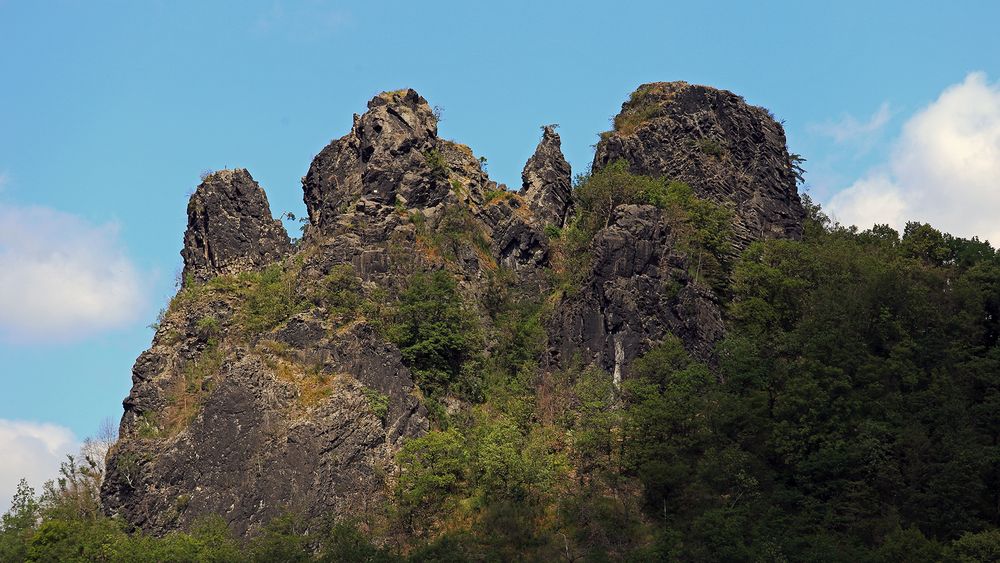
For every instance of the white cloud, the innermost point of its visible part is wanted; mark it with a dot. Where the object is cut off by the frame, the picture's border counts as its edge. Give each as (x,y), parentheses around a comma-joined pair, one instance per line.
(848,128)
(944,168)
(32,451)
(62,277)
(4,180)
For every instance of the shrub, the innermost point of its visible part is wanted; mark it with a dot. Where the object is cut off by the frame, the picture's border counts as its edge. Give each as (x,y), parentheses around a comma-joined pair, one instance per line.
(436,332)
(641,107)
(433,469)
(379,402)
(710,147)
(340,291)
(435,160)
(701,228)
(270,297)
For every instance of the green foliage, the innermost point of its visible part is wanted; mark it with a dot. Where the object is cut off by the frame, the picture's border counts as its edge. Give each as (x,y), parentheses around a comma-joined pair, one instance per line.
(851,414)
(340,292)
(510,466)
(437,334)
(17,525)
(379,402)
(711,147)
(640,108)
(433,469)
(269,298)
(208,326)
(439,167)
(494,195)
(702,228)
(797,169)
(978,547)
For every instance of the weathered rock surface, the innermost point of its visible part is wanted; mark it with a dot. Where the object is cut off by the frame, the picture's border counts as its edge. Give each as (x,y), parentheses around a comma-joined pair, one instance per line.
(637,290)
(387,157)
(364,190)
(230,228)
(287,426)
(307,416)
(547,180)
(727,150)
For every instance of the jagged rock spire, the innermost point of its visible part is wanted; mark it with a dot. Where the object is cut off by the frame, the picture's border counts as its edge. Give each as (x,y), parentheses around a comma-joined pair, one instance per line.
(389,155)
(547,180)
(725,149)
(230,228)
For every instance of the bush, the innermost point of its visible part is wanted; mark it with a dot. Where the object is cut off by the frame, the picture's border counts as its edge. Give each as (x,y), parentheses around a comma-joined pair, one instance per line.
(433,468)
(641,107)
(436,333)
(270,297)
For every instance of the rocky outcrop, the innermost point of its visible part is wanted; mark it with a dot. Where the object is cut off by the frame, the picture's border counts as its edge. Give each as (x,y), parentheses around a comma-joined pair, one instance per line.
(291,404)
(547,180)
(364,191)
(304,421)
(725,149)
(637,290)
(230,228)
(389,156)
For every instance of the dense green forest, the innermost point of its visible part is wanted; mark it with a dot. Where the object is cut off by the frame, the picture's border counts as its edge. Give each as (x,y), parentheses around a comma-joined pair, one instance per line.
(852,413)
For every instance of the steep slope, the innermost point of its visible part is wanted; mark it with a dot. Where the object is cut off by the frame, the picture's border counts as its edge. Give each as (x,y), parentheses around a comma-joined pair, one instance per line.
(276,382)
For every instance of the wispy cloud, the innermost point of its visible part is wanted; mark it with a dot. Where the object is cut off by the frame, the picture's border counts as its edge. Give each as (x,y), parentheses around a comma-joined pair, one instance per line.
(849,129)
(62,278)
(32,451)
(943,168)
(4,180)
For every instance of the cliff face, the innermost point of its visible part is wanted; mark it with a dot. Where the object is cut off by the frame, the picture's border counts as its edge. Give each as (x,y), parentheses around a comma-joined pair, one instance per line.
(271,384)
(727,150)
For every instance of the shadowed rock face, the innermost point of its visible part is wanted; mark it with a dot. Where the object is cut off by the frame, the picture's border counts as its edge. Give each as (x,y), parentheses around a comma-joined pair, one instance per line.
(230,228)
(637,290)
(728,151)
(547,180)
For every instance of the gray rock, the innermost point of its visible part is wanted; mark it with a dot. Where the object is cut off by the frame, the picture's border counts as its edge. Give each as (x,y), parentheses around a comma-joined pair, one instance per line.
(547,180)
(636,291)
(389,156)
(230,228)
(293,430)
(309,416)
(725,149)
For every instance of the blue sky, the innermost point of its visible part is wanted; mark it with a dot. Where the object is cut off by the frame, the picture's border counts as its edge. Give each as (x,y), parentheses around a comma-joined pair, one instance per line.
(109,110)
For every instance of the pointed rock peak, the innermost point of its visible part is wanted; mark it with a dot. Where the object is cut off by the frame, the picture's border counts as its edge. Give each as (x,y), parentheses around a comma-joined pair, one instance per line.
(230,228)
(400,113)
(727,150)
(547,180)
(391,154)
